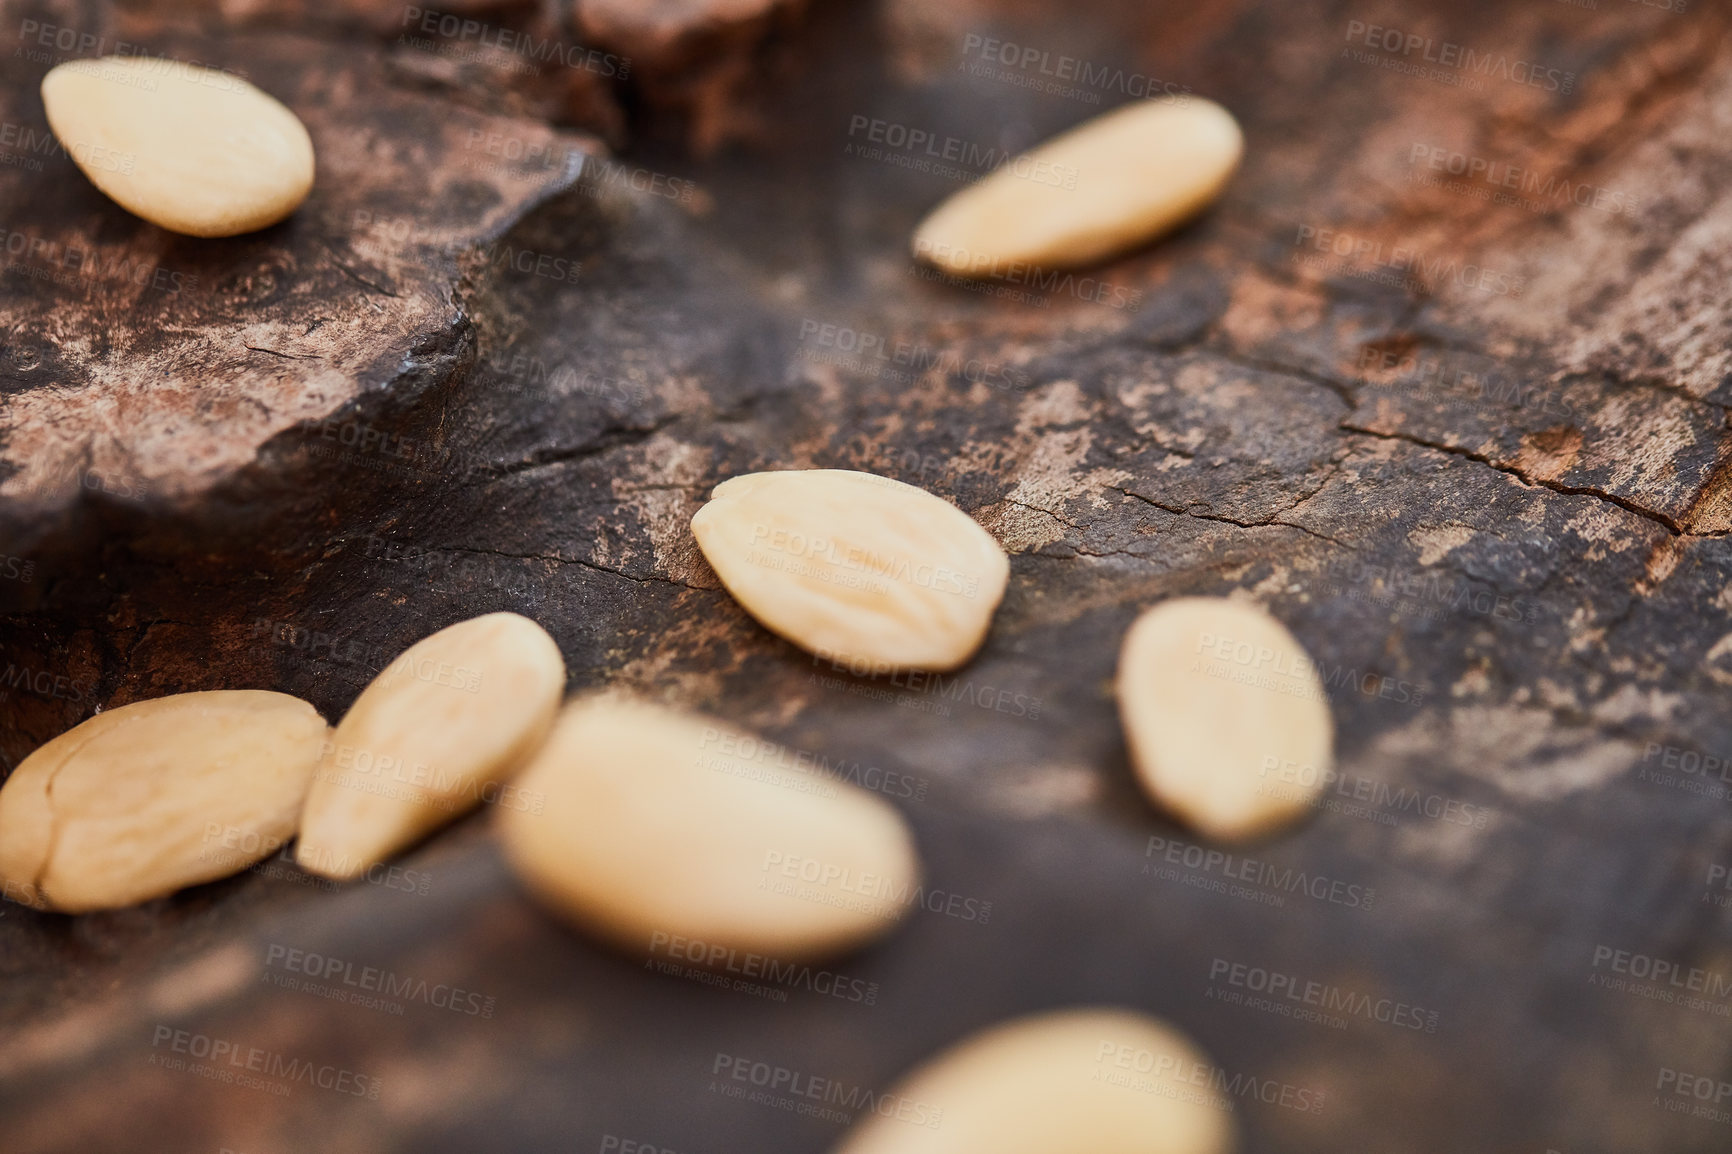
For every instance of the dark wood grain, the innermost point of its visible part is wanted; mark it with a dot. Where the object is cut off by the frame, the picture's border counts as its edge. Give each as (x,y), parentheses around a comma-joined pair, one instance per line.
(1509,558)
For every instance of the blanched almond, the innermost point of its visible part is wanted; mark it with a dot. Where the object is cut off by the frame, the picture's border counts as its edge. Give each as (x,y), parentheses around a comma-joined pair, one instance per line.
(1127,177)
(855,567)
(650,828)
(140,801)
(1220,704)
(1105,1081)
(439,731)
(194,150)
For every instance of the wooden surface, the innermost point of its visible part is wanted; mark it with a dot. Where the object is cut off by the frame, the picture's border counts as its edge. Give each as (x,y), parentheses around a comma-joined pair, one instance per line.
(1509,559)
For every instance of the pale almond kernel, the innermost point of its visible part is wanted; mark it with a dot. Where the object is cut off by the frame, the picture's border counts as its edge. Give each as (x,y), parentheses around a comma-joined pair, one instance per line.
(122,808)
(855,567)
(1219,704)
(1128,176)
(440,730)
(194,150)
(1106,1081)
(651,829)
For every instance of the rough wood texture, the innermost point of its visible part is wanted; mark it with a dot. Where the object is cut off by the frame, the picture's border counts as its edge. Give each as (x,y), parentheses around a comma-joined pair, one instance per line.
(1509,558)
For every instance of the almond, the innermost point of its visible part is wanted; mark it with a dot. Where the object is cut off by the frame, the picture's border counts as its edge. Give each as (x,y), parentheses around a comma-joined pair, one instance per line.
(855,567)
(1106,186)
(194,150)
(1107,1081)
(439,731)
(143,800)
(650,829)
(1220,706)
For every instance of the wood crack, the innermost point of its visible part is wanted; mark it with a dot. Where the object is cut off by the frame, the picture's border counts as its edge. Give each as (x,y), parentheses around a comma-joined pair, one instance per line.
(564,455)
(1670,524)
(285,356)
(559,560)
(1216,517)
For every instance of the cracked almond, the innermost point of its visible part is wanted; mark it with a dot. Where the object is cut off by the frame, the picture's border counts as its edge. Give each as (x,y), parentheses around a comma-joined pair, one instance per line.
(653,826)
(855,567)
(194,150)
(439,731)
(1103,188)
(1227,721)
(149,798)
(1108,1081)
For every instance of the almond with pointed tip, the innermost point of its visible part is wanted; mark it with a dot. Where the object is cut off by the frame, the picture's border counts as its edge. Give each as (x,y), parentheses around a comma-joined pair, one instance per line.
(1227,721)
(149,798)
(656,824)
(1101,189)
(855,567)
(192,149)
(1102,1080)
(440,730)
